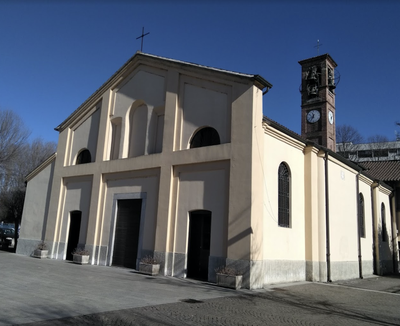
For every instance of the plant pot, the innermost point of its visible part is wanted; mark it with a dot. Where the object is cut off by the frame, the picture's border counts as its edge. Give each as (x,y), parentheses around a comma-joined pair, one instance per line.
(229,281)
(38,253)
(81,259)
(149,269)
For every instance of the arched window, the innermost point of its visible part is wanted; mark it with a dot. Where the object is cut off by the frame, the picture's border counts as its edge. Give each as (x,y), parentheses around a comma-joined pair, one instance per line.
(116,124)
(84,157)
(361,215)
(383,217)
(283,196)
(138,131)
(207,136)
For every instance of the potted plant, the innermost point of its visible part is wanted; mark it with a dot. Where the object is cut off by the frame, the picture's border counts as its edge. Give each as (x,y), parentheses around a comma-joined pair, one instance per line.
(229,277)
(80,256)
(149,266)
(41,250)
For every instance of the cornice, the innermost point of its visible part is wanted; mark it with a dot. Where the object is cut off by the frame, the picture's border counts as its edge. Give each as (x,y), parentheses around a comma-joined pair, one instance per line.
(41,167)
(271,131)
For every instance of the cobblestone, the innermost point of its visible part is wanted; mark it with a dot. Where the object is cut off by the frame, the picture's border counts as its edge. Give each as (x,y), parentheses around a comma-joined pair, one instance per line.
(305,304)
(39,292)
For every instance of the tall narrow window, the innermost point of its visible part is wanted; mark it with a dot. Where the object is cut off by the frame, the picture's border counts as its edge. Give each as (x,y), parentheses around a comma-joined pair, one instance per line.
(84,157)
(283,196)
(115,138)
(361,215)
(138,131)
(205,137)
(383,217)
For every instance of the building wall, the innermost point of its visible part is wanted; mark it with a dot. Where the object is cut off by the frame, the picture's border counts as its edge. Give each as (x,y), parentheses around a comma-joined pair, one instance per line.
(76,197)
(85,136)
(201,187)
(284,248)
(144,121)
(204,103)
(35,211)
(383,238)
(142,184)
(367,241)
(343,217)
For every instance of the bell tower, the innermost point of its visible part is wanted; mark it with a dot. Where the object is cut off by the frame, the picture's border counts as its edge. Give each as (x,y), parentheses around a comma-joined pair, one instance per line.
(318,117)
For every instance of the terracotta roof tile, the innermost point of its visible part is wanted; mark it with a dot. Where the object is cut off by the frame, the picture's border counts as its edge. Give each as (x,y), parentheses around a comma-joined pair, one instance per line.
(383,170)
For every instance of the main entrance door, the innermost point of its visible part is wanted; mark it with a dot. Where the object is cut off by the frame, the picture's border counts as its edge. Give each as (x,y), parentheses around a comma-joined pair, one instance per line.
(126,240)
(73,234)
(199,244)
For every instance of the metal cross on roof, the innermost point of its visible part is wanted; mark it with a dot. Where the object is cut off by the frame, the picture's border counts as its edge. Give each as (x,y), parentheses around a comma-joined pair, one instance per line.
(142,36)
(317,46)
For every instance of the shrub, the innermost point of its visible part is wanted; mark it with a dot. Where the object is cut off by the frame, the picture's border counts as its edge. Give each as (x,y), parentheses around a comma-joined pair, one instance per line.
(81,252)
(149,260)
(42,245)
(228,270)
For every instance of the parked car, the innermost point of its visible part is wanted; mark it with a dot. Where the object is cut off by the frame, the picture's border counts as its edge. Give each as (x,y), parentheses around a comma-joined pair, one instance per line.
(7,236)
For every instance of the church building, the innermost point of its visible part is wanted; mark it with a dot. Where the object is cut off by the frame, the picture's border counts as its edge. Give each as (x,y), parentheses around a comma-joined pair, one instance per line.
(175,160)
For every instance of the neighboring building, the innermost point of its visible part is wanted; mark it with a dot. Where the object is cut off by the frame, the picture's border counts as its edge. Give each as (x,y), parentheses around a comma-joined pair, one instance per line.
(176,160)
(385,151)
(389,172)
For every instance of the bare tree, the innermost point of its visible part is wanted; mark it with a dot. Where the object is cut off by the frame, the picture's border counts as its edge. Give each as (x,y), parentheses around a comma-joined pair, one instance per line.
(13,135)
(347,140)
(31,156)
(378,139)
(17,159)
(12,205)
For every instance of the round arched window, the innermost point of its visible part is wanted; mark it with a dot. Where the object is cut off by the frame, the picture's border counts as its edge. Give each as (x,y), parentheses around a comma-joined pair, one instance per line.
(207,136)
(84,157)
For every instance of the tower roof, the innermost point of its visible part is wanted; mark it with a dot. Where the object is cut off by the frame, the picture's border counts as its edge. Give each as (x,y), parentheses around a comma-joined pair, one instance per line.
(325,56)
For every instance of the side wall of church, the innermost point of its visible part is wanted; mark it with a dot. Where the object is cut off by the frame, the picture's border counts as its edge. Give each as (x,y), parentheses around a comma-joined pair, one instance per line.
(284,247)
(343,221)
(367,240)
(35,211)
(383,237)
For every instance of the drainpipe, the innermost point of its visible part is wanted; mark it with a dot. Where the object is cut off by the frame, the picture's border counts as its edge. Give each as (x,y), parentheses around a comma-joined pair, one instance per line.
(394,230)
(373,186)
(358,224)
(328,245)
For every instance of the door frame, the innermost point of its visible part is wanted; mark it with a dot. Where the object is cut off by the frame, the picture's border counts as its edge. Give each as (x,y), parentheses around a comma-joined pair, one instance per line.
(189,215)
(69,231)
(131,195)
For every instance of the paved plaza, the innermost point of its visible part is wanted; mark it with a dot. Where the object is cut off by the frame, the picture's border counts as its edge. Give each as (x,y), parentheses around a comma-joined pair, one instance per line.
(48,292)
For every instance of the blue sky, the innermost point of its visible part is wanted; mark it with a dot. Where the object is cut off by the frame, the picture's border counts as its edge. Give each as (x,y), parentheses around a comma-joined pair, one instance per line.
(55,54)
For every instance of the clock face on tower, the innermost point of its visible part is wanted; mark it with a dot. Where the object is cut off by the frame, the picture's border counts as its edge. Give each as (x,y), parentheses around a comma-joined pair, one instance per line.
(313,116)
(330,117)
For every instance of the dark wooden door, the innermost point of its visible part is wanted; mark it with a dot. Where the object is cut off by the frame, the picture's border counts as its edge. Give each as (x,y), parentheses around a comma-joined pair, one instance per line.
(127,230)
(199,244)
(73,234)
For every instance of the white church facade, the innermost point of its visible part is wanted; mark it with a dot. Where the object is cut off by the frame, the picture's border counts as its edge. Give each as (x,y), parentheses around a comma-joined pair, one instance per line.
(175,160)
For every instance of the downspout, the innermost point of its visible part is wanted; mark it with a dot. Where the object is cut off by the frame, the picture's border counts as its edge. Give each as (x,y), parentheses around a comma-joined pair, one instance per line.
(394,231)
(358,224)
(328,245)
(374,185)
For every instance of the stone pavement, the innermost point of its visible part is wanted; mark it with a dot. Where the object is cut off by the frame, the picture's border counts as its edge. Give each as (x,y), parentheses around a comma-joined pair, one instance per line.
(95,295)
